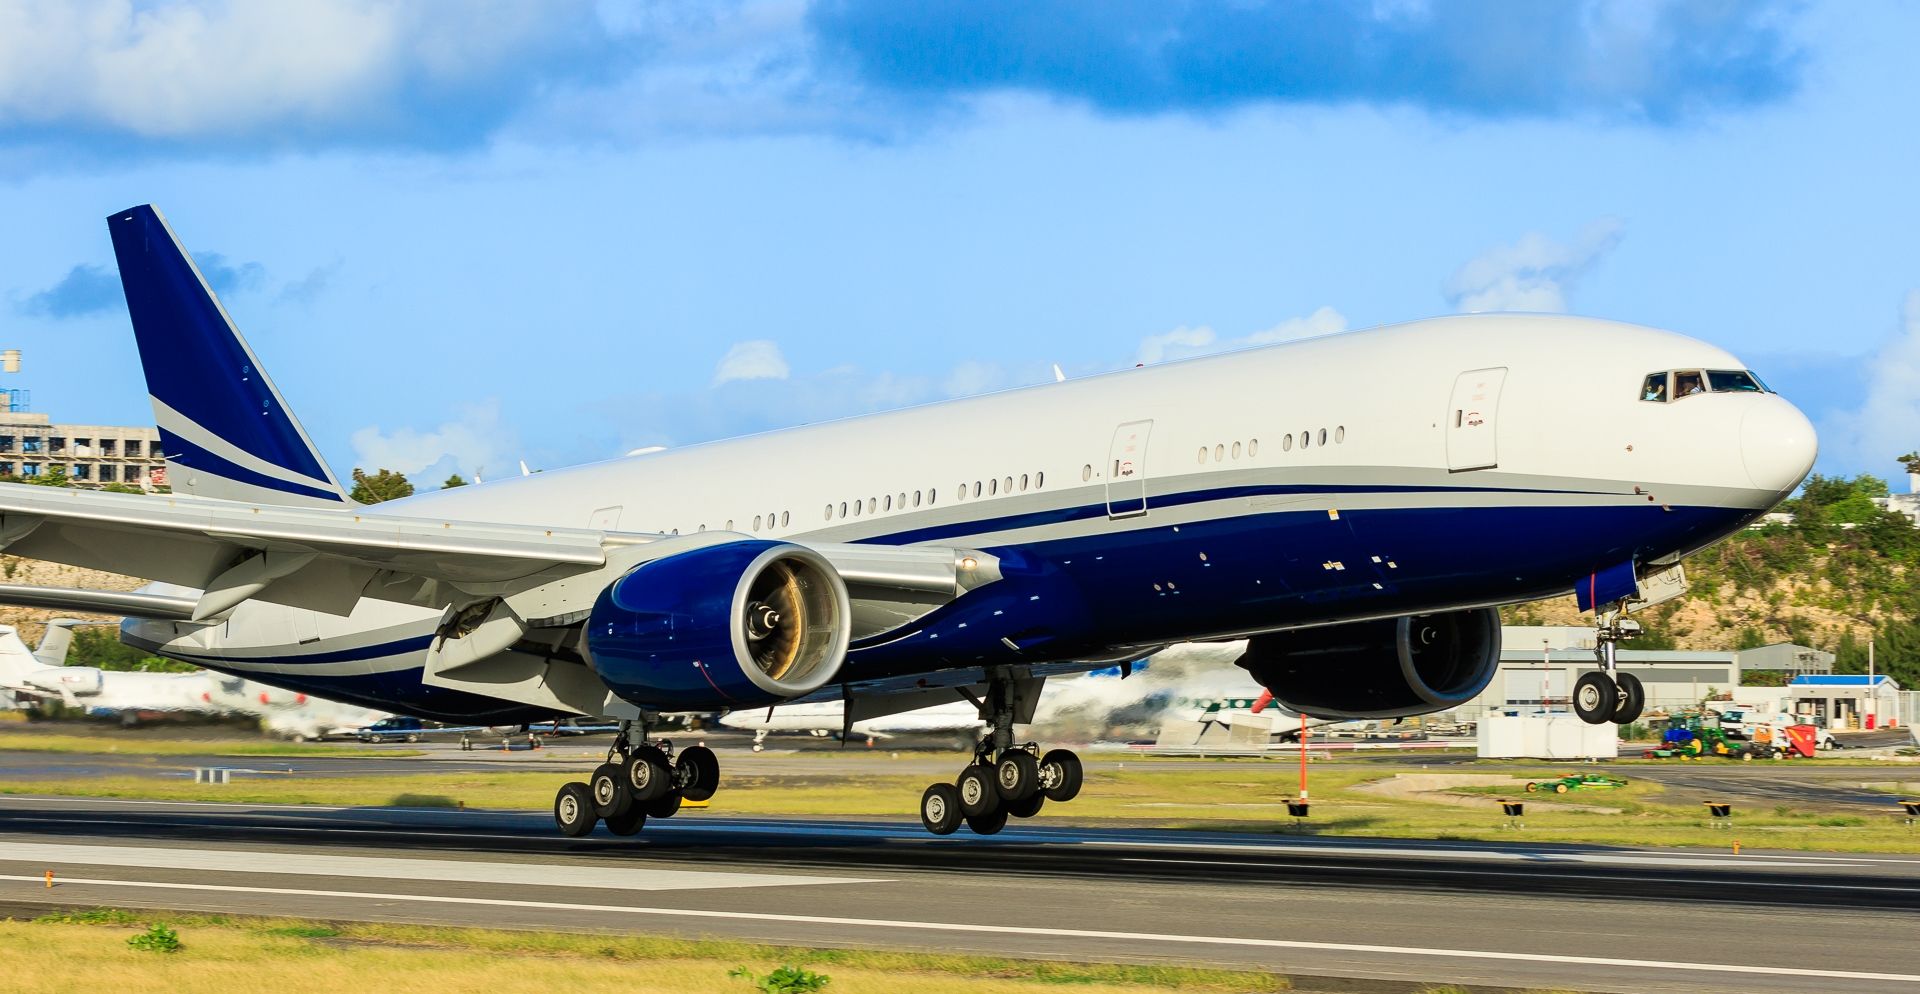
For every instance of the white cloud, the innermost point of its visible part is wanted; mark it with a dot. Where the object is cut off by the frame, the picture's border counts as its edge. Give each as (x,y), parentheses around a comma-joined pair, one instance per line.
(193,70)
(1887,423)
(1184,341)
(759,359)
(1532,274)
(475,441)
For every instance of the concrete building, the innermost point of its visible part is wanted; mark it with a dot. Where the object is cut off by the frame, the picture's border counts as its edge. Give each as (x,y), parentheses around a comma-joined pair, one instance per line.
(1539,665)
(32,446)
(1845,701)
(1907,503)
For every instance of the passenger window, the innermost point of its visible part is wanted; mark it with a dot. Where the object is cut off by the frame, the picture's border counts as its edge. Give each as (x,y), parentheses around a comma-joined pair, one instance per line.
(1023,483)
(1339,433)
(976,488)
(756,522)
(1086,472)
(1286,442)
(1219,453)
(857,506)
(1008,487)
(873,505)
(1733,381)
(1236,450)
(1688,382)
(843,509)
(993,487)
(903,500)
(1306,439)
(916,498)
(1654,390)
(1203,455)
(1039,480)
(889,504)
(829,512)
(785,516)
(932,496)
(1323,436)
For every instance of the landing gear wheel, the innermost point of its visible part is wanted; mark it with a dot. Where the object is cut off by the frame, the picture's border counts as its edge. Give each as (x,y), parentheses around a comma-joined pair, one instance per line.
(629,822)
(940,809)
(698,772)
(664,807)
(1594,697)
(1017,775)
(1060,776)
(988,824)
(573,810)
(1029,807)
(610,796)
(648,777)
(1630,700)
(979,793)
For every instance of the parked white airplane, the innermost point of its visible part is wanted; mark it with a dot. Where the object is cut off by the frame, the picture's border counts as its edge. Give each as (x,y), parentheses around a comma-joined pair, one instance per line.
(43,675)
(1191,681)
(1356,506)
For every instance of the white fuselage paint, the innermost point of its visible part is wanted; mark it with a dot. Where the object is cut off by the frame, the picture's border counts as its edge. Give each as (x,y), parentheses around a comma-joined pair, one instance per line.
(1378,408)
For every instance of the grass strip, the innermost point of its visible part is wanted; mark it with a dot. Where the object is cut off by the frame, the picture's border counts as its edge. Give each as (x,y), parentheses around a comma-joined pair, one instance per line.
(86,949)
(34,742)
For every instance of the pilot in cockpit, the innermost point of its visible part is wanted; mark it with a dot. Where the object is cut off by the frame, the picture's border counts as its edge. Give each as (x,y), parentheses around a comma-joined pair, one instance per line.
(1688,383)
(1656,390)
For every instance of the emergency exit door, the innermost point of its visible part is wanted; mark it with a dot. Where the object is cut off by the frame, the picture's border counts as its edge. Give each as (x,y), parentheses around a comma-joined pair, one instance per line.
(1472,420)
(1127,470)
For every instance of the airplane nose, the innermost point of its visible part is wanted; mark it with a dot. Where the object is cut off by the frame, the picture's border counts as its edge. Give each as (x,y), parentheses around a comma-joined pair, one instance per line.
(1778,445)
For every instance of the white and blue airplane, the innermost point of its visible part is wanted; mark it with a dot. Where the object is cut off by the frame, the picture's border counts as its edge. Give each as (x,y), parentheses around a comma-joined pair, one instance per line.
(1355,506)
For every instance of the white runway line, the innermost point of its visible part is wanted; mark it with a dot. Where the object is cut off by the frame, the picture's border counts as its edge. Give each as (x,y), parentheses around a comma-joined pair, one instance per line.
(385,868)
(1003,929)
(1643,858)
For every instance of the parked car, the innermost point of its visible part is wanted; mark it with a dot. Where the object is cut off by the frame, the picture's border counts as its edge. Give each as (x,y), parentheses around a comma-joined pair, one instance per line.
(397,728)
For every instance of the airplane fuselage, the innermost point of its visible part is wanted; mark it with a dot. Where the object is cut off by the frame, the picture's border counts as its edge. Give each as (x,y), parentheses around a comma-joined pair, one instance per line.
(1459,462)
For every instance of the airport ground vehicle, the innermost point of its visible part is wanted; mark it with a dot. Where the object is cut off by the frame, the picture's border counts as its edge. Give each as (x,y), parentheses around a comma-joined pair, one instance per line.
(1576,781)
(397,728)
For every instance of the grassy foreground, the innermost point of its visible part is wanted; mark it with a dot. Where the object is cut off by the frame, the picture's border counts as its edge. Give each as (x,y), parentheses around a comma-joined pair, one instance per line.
(1363,803)
(88,950)
(35,742)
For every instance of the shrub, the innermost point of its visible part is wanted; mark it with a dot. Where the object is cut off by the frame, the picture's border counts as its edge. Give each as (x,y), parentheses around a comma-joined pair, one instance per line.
(158,938)
(783,980)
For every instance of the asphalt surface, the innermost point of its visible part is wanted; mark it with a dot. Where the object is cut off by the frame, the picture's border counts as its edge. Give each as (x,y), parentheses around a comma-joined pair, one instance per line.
(1561,917)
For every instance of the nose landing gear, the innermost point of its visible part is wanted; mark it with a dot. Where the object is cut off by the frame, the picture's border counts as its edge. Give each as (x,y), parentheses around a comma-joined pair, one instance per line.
(1005,780)
(641,779)
(1610,695)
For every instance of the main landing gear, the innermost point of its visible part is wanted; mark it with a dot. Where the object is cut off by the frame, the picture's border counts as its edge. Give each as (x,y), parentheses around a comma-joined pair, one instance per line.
(641,779)
(1609,695)
(1004,780)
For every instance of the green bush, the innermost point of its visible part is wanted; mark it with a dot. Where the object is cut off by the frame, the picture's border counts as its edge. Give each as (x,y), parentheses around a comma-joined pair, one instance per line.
(787,979)
(158,938)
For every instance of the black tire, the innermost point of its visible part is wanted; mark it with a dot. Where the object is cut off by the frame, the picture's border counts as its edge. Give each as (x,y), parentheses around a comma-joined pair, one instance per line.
(1029,807)
(1017,775)
(609,788)
(629,822)
(411,739)
(988,824)
(648,777)
(698,773)
(573,809)
(978,791)
(665,806)
(1060,776)
(940,809)
(1630,699)
(1594,697)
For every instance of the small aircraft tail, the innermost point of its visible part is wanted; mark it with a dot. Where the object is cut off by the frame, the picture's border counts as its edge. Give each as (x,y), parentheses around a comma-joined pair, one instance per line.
(226,430)
(57,640)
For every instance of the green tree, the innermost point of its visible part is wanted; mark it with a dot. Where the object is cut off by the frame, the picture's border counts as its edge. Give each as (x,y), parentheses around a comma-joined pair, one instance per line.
(55,476)
(456,480)
(1911,461)
(384,485)
(100,646)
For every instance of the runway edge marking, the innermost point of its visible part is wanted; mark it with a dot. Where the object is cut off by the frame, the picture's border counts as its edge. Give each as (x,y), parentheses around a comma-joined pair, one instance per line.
(1001,929)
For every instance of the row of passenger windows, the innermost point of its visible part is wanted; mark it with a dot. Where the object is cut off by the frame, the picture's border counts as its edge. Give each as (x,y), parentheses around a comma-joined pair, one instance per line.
(877,505)
(993,488)
(1659,388)
(1308,439)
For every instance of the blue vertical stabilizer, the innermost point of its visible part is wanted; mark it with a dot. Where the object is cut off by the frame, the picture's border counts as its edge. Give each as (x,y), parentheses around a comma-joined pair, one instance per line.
(226,430)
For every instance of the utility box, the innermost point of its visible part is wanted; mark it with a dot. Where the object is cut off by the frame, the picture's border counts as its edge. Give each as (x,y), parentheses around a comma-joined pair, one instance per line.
(1545,736)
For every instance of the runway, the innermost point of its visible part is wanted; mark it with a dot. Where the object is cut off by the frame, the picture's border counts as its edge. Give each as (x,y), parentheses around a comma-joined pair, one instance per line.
(1565,917)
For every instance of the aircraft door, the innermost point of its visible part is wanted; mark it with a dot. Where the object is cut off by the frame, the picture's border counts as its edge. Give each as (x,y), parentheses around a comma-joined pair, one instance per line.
(1471,422)
(606,519)
(1127,470)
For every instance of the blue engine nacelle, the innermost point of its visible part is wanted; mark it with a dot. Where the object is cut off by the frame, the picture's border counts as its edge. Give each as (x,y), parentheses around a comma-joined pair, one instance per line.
(738,625)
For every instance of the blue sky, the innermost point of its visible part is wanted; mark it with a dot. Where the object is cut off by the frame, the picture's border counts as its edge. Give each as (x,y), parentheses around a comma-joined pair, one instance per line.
(465,234)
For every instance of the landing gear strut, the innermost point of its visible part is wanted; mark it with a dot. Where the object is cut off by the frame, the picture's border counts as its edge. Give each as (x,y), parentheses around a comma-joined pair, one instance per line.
(642,778)
(1006,779)
(1609,695)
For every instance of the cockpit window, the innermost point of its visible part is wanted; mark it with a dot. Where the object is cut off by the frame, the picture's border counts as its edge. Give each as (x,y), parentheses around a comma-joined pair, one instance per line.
(1734,381)
(1659,388)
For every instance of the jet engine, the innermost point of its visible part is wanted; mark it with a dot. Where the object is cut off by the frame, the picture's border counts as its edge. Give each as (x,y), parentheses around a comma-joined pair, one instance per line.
(727,626)
(1392,668)
(67,681)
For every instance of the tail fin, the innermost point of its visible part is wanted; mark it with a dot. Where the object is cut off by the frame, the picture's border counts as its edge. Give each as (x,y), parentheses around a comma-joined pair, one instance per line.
(56,640)
(226,430)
